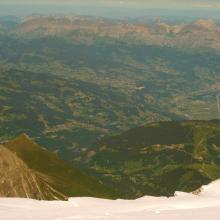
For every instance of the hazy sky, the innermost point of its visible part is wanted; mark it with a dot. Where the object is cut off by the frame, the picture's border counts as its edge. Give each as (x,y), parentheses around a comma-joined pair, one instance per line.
(114,8)
(179,4)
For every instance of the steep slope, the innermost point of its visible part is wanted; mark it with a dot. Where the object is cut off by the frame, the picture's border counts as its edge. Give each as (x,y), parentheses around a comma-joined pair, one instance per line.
(159,158)
(17,180)
(54,178)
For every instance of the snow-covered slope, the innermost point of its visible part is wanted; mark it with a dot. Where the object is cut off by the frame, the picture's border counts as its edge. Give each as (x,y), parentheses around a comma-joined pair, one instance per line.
(204,206)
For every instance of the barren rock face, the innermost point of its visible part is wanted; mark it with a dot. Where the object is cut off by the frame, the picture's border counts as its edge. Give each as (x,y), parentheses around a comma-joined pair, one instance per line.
(17,180)
(29,171)
(208,24)
(202,32)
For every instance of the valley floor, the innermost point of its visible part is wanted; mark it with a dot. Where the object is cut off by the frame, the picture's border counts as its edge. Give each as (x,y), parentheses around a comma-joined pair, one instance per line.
(204,206)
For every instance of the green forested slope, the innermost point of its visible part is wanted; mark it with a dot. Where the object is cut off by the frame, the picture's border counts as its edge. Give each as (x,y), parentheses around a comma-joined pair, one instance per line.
(159,158)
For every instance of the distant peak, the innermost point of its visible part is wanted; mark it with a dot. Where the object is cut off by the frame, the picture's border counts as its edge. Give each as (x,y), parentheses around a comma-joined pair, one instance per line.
(22,140)
(206,23)
(24,136)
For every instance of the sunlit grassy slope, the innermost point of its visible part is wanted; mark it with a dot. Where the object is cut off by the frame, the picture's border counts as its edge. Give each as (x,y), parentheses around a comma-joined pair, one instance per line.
(62,177)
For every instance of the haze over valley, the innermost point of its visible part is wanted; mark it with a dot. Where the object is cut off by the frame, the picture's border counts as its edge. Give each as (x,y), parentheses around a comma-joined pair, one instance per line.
(68,81)
(112,106)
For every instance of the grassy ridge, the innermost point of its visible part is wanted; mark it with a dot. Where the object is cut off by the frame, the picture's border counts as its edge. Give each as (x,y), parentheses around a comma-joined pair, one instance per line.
(159,158)
(66,179)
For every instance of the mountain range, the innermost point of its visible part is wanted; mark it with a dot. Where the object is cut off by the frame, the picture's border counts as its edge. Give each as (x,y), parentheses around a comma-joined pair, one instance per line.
(74,91)
(200,34)
(92,92)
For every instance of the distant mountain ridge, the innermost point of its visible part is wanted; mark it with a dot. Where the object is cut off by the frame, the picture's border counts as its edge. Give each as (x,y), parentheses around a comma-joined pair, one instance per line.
(73,93)
(200,34)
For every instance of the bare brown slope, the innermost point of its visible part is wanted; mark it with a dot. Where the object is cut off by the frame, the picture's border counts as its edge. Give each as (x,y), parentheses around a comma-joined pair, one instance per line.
(17,180)
(198,35)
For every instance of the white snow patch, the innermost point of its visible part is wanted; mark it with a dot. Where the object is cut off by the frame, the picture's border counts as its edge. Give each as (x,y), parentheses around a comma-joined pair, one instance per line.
(204,206)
